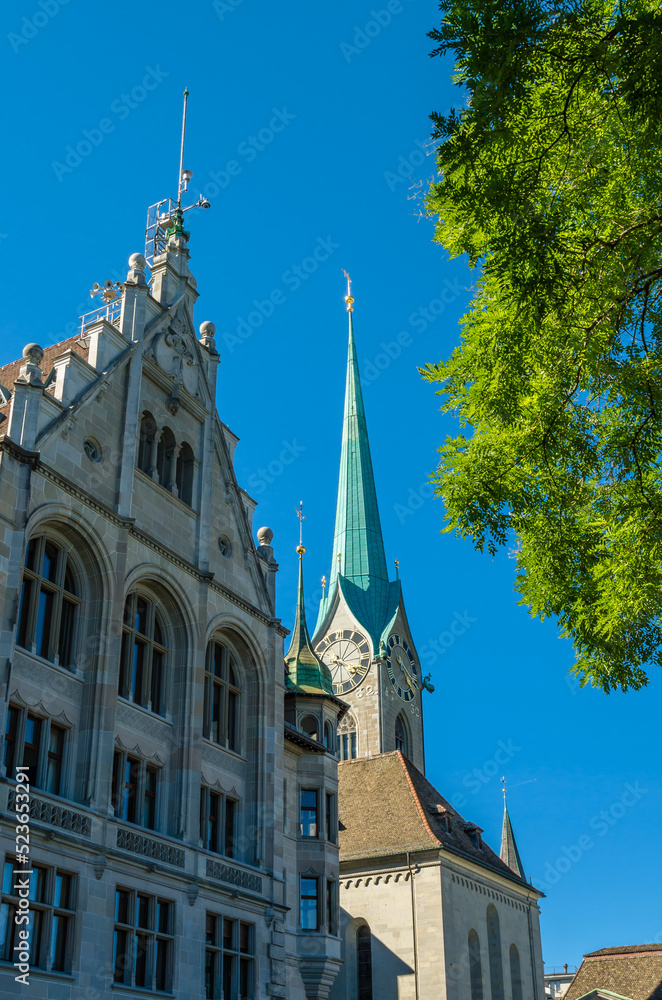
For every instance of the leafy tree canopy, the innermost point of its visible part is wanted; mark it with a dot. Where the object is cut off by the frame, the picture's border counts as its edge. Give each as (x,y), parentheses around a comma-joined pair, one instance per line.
(550,183)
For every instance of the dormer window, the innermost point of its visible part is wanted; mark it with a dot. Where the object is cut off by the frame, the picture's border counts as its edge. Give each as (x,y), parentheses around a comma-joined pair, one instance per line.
(474,833)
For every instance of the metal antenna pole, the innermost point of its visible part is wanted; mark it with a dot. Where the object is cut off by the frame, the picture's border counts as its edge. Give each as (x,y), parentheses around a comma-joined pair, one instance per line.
(181,153)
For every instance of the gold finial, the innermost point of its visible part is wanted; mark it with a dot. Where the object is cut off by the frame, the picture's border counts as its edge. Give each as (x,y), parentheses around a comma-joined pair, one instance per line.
(339,560)
(397,569)
(302,518)
(348,298)
(323,586)
(503,782)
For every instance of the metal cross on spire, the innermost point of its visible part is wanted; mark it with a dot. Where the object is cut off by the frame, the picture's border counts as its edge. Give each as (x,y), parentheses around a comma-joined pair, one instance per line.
(302,518)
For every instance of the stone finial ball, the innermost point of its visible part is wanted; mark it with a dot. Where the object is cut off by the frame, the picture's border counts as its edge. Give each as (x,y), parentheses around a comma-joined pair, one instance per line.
(34,353)
(207,329)
(137,262)
(264,536)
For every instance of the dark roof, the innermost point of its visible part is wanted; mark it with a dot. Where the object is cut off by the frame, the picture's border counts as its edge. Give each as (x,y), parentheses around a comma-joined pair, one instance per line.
(633,971)
(9,373)
(509,853)
(388,807)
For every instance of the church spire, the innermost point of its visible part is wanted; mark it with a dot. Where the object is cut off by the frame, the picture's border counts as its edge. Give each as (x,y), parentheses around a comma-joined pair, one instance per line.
(509,852)
(358,534)
(305,671)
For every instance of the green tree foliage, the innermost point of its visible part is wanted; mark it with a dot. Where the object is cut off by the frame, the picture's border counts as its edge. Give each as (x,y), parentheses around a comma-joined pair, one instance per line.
(550,183)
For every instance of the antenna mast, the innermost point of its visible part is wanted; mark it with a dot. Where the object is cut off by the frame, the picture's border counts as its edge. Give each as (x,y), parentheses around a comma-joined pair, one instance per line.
(181,152)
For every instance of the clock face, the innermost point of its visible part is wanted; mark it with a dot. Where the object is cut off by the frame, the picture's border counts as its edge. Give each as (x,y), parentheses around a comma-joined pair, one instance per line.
(401,667)
(347,655)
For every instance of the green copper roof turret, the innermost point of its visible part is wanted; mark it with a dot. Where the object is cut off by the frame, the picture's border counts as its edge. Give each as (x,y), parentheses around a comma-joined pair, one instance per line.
(306,673)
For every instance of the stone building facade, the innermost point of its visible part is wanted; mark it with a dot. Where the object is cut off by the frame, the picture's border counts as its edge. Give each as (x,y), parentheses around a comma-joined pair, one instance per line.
(142,680)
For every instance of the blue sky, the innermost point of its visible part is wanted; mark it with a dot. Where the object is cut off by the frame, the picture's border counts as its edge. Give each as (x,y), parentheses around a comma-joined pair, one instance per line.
(307,130)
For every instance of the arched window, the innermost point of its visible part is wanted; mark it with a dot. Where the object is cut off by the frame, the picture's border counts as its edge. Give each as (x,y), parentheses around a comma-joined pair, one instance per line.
(328,736)
(402,735)
(364,962)
(144,651)
(494,952)
(515,973)
(475,968)
(346,740)
(310,726)
(222,693)
(184,474)
(166,459)
(49,602)
(146,443)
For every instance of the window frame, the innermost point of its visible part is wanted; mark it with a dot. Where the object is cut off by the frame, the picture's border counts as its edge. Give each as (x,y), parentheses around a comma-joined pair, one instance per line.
(308,897)
(32,585)
(126,766)
(229,694)
(224,821)
(17,741)
(42,951)
(228,951)
(152,932)
(128,682)
(315,810)
(330,818)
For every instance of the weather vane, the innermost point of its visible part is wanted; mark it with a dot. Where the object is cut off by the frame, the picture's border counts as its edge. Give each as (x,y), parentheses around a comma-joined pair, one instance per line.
(503,782)
(348,298)
(302,517)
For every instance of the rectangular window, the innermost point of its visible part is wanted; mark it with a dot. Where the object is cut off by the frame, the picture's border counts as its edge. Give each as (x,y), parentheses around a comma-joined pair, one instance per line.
(331,910)
(217,822)
(229,959)
(52,915)
(309,904)
(37,744)
(143,941)
(309,820)
(331,825)
(135,787)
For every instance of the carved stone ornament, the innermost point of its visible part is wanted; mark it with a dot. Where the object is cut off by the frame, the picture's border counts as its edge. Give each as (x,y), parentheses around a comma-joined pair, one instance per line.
(175,354)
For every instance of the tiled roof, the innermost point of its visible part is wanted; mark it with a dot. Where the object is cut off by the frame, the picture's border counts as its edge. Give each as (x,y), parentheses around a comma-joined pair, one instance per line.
(632,971)
(388,807)
(9,373)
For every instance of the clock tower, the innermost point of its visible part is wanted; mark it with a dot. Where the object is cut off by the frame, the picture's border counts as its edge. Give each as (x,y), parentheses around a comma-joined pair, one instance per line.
(362,633)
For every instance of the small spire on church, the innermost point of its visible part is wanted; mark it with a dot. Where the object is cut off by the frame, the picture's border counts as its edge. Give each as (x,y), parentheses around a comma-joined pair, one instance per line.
(509,853)
(305,672)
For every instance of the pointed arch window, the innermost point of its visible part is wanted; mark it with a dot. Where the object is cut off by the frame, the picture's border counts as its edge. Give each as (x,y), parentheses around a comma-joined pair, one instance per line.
(144,654)
(515,973)
(222,697)
(402,742)
(364,962)
(49,602)
(184,473)
(475,967)
(494,953)
(346,738)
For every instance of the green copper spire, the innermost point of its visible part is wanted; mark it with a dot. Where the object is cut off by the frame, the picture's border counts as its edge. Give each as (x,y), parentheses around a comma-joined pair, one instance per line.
(358,561)
(305,672)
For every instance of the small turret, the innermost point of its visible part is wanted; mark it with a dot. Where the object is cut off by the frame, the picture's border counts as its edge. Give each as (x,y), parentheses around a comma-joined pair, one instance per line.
(509,853)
